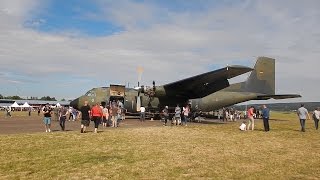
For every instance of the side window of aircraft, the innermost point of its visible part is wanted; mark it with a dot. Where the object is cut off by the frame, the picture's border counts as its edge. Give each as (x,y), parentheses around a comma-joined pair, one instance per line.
(91,94)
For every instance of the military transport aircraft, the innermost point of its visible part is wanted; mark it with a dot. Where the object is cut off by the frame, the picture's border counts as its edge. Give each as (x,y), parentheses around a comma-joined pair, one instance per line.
(208,91)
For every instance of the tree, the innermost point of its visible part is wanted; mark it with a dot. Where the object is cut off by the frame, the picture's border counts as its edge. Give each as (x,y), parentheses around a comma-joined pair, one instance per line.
(48,98)
(14,97)
(1,97)
(63,99)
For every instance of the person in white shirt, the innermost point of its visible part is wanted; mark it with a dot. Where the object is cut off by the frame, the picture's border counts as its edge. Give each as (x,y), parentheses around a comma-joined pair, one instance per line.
(185,112)
(316,117)
(243,126)
(8,109)
(142,113)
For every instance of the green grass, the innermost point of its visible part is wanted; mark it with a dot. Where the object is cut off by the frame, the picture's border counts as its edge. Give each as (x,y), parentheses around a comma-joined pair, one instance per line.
(200,151)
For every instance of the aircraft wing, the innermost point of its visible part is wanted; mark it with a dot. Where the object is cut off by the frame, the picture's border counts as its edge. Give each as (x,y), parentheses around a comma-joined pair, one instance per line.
(281,96)
(204,84)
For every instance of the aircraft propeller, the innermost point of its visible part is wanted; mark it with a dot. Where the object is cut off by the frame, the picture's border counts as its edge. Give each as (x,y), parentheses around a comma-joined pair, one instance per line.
(148,91)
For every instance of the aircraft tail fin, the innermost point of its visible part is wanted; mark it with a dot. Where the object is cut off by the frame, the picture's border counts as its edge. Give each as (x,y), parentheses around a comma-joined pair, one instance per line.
(262,78)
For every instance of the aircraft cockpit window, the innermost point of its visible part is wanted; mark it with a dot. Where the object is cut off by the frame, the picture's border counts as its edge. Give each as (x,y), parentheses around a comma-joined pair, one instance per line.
(90,93)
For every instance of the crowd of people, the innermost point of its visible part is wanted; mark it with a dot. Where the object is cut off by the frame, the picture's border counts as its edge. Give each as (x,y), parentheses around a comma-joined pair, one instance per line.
(105,115)
(9,110)
(113,113)
(180,116)
(302,114)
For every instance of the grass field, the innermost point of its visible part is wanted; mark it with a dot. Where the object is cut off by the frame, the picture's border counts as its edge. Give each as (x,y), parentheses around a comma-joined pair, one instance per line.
(198,151)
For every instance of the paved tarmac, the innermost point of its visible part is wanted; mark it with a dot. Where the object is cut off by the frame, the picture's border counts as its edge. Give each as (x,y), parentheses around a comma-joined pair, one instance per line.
(20,122)
(34,123)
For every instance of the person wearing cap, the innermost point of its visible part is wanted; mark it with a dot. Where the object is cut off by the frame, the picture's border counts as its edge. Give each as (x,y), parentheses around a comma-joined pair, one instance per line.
(165,113)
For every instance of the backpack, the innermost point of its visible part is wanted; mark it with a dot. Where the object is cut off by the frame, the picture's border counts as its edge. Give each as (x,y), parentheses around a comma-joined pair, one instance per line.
(314,116)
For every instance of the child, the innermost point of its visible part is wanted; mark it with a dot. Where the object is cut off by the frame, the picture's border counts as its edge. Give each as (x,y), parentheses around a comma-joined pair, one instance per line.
(243,126)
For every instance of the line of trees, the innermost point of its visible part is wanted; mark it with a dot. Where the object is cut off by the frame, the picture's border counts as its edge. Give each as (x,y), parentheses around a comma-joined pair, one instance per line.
(44,98)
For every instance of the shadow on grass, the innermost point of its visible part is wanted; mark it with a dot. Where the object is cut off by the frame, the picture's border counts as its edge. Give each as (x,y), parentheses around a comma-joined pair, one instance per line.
(211,122)
(59,130)
(278,120)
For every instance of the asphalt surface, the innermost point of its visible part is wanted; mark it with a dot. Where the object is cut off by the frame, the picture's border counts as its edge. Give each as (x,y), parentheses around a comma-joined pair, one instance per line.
(22,123)
(32,124)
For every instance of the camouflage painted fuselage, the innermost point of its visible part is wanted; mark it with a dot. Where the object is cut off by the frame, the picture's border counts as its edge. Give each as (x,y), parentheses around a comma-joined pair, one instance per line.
(260,85)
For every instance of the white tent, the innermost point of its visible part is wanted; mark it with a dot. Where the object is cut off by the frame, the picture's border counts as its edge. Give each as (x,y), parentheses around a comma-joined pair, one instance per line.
(15,105)
(58,105)
(25,105)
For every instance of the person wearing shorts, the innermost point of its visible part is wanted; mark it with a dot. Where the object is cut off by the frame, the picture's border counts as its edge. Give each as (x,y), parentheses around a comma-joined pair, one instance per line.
(85,116)
(46,110)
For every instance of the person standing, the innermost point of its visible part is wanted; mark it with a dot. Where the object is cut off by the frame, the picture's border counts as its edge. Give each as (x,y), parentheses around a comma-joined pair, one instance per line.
(142,113)
(120,110)
(62,117)
(105,112)
(85,111)
(46,110)
(70,113)
(224,117)
(303,114)
(250,115)
(114,115)
(8,109)
(316,117)
(29,110)
(96,114)
(165,113)
(177,115)
(185,111)
(219,114)
(39,108)
(232,114)
(265,116)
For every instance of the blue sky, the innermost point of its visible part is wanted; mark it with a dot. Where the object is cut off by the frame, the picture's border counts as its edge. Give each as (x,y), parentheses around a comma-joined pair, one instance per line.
(64,48)
(60,16)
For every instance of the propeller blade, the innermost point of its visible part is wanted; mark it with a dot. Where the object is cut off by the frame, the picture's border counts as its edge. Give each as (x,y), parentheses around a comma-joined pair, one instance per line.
(139,88)
(138,103)
(139,71)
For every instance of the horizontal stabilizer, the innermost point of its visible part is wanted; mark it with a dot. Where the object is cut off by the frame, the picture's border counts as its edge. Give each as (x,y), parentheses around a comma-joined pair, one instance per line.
(280,96)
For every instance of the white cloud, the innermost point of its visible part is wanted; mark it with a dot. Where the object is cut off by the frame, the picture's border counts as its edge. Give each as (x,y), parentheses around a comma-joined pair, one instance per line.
(169,45)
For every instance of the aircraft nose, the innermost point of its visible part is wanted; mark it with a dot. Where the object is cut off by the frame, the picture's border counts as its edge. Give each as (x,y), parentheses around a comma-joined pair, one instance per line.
(74,103)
